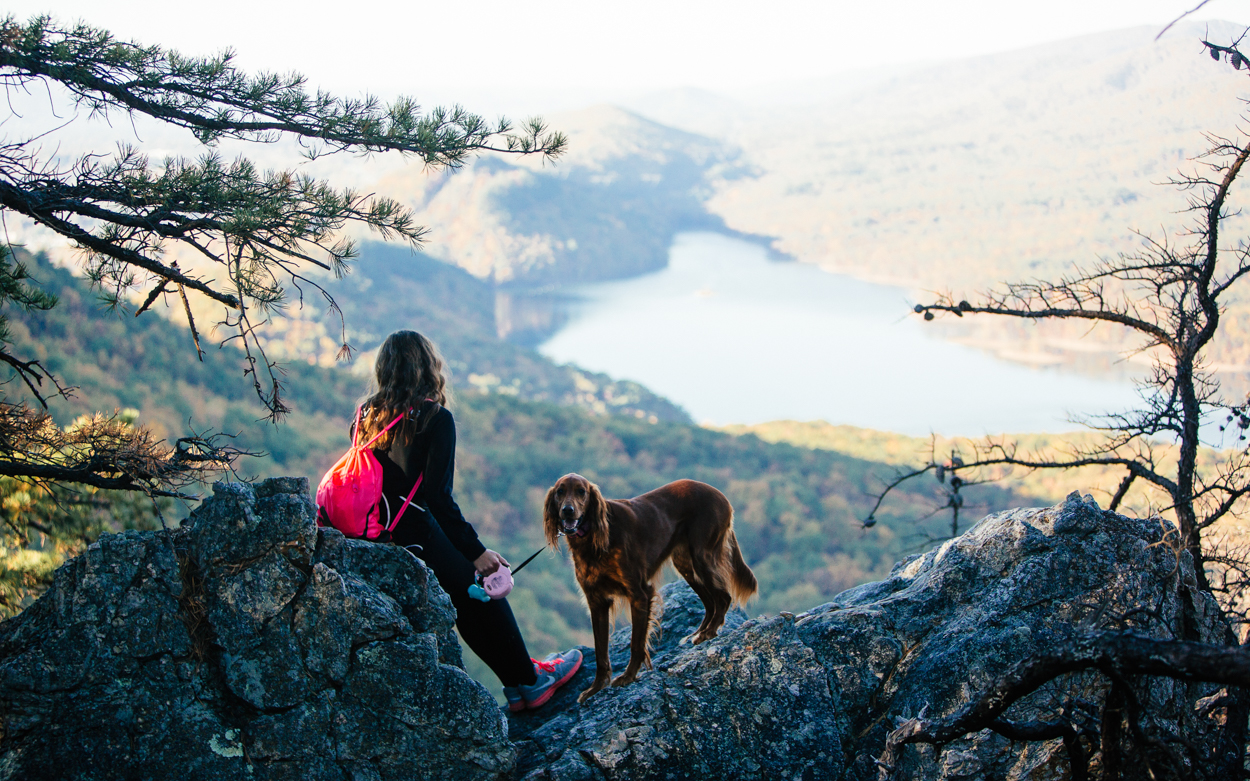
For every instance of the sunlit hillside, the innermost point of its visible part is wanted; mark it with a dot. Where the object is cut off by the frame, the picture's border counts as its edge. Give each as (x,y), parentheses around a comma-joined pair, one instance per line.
(1047,485)
(608,209)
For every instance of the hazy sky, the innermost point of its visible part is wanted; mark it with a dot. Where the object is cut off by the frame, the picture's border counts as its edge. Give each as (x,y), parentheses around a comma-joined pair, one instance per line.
(438,51)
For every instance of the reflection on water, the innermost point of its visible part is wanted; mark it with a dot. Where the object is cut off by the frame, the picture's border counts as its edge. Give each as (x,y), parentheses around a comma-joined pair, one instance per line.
(736,338)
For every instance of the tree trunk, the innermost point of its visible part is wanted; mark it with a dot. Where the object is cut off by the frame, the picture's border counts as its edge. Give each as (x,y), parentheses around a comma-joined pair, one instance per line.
(1183,498)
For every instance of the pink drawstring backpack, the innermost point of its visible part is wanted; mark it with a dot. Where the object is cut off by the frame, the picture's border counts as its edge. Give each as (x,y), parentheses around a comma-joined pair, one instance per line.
(349,497)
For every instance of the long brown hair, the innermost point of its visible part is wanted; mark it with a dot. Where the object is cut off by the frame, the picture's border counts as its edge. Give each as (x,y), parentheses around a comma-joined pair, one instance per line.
(408,370)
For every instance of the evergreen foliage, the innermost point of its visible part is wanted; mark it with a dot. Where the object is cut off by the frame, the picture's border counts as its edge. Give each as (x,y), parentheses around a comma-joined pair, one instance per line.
(44,524)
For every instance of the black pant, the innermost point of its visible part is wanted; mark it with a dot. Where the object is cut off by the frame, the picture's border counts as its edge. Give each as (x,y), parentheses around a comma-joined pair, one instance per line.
(489,628)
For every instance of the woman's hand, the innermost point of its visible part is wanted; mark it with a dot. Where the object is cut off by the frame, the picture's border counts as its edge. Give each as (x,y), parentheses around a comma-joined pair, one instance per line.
(488,562)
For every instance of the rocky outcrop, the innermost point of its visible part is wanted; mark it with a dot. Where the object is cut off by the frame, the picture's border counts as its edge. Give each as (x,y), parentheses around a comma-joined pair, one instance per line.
(814,696)
(246,644)
(749,704)
(251,644)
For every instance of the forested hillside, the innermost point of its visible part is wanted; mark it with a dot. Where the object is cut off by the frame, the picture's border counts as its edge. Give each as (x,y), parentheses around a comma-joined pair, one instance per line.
(1143,500)
(797,509)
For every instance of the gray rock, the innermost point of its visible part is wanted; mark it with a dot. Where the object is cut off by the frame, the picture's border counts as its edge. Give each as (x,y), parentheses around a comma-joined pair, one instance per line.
(389,570)
(246,644)
(251,644)
(814,696)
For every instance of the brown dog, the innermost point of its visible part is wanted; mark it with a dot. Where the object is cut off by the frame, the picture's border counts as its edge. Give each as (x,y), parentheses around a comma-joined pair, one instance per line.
(619,545)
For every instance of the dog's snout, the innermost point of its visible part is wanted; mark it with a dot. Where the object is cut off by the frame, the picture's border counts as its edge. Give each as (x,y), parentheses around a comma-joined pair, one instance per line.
(568,510)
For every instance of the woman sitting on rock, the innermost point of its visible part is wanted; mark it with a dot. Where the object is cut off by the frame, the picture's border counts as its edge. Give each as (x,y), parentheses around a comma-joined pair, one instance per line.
(409,377)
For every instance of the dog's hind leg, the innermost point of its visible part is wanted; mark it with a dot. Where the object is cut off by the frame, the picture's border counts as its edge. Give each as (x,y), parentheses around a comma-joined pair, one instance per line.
(685,568)
(640,618)
(709,570)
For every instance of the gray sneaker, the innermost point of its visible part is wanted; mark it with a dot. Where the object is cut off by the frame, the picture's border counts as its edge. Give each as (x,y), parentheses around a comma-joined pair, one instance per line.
(553,672)
(515,701)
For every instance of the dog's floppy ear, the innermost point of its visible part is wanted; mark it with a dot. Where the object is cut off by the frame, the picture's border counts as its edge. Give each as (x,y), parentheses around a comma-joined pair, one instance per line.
(597,513)
(551,518)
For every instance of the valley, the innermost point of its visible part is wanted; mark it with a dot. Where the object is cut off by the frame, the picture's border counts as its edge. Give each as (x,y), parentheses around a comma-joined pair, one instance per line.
(956,174)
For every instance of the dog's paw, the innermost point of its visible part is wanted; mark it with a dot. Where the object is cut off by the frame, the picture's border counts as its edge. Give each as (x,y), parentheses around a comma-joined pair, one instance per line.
(592,691)
(624,680)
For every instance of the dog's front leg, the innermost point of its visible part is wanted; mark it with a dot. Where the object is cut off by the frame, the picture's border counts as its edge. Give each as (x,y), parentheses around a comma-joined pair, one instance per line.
(600,615)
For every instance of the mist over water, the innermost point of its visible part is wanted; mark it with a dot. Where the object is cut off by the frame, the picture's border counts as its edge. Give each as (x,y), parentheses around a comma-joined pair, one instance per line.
(736,338)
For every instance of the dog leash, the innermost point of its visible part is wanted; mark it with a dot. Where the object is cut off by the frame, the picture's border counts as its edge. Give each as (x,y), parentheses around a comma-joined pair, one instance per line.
(530,559)
(535,554)
(493,586)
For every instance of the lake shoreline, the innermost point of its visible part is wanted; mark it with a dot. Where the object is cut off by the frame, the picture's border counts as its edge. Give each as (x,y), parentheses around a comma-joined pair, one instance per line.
(804,344)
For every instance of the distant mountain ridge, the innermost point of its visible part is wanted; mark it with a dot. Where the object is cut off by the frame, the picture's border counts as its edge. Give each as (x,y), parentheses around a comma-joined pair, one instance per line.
(607,209)
(964,172)
(957,174)
(999,167)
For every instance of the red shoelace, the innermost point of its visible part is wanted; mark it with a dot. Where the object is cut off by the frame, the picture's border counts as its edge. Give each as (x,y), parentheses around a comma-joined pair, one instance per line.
(547,667)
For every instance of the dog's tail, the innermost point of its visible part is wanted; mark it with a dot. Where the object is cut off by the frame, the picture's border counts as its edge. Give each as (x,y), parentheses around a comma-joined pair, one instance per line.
(742,581)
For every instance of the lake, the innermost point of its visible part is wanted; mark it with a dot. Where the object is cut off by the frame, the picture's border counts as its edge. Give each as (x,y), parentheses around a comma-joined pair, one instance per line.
(735,337)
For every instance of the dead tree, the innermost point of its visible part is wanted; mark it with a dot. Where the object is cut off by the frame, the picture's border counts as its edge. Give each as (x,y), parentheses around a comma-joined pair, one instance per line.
(1170,295)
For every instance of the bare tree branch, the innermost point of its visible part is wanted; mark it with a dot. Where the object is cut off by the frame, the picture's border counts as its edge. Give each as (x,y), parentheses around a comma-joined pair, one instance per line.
(1170,24)
(1114,653)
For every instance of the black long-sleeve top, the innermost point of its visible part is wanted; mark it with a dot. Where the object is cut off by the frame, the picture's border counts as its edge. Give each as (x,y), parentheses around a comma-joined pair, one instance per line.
(431,453)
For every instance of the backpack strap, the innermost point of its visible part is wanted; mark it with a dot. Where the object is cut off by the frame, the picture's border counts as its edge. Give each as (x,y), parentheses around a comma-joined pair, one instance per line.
(356,426)
(407,502)
(411,493)
(383,431)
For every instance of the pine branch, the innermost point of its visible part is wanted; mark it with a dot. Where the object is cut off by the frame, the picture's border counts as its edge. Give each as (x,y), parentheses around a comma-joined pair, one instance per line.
(127,214)
(105,452)
(211,97)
